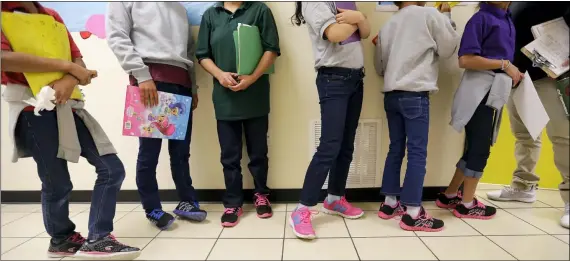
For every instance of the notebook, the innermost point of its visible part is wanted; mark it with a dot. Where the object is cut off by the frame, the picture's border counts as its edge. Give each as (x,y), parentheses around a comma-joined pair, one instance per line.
(167,120)
(247,42)
(355,37)
(39,35)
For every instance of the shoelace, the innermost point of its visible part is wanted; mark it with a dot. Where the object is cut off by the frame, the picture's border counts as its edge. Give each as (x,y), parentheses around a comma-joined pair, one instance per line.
(231,210)
(186,206)
(261,200)
(424,215)
(344,202)
(77,238)
(114,239)
(156,214)
(307,215)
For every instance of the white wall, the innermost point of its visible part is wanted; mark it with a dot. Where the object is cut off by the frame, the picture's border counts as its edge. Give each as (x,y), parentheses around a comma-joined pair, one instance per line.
(294,104)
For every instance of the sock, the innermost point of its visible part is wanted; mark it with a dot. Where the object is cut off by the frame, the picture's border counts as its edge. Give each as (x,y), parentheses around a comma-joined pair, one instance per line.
(299,206)
(451,195)
(391,201)
(413,211)
(468,204)
(332,198)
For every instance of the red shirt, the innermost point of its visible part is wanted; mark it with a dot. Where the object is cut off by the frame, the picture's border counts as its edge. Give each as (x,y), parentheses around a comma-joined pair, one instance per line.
(18,78)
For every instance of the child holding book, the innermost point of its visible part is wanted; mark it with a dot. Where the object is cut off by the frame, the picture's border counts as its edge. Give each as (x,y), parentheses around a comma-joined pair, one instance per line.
(61,136)
(486,52)
(340,74)
(241,102)
(409,46)
(158,57)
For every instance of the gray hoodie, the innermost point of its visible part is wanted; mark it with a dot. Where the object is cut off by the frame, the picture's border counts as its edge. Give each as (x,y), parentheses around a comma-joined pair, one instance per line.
(150,32)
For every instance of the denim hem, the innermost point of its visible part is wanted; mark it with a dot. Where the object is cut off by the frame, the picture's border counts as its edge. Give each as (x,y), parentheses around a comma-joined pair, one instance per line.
(391,194)
(472,173)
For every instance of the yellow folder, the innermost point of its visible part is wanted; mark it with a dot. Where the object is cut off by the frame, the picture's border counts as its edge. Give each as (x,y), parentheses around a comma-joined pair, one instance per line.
(451,4)
(39,35)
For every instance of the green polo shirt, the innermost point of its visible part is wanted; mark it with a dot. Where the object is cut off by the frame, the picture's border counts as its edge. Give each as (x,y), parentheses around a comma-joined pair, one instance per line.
(216,42)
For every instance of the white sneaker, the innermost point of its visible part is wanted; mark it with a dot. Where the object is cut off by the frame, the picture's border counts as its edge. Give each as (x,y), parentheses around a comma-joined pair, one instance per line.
(565,219)
(509,193)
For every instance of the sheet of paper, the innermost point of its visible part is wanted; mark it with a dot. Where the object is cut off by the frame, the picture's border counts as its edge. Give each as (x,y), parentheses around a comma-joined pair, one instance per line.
(530,108)
(556,26)
(554,47)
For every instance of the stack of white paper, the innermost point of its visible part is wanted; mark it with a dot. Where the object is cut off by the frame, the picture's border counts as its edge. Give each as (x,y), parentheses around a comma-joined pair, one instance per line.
(530,108)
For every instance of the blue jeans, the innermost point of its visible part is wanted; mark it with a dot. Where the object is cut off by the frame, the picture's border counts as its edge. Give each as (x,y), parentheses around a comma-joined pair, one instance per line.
(230,135)
(179,150)
(408,124)
(340,95)
(39,137)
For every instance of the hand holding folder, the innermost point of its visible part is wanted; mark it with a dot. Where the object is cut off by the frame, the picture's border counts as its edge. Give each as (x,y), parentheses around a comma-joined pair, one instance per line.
(42,36)
(247,41)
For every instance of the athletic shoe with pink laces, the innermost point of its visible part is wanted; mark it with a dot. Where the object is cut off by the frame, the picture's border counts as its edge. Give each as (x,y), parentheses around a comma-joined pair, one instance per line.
(300,221)
(477,211)
(230,218)
(388,212)
(342,208)
(262,206)
(423,222)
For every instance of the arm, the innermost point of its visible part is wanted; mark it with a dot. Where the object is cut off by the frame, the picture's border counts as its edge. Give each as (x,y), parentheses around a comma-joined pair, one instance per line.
(118,24)
(364,28)
(191,53)
(320,17)
(444,34)
(378,64)
(476,62)
(22,62)
(205,57)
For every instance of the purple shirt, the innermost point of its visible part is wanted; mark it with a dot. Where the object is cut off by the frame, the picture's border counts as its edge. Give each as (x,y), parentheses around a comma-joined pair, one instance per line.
(490,33)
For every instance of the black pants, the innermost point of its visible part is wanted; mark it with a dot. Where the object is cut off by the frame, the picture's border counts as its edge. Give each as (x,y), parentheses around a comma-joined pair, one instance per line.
(478,141)
(230,136)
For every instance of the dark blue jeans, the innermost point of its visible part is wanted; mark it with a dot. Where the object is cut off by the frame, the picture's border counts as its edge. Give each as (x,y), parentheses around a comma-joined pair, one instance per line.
(179,150)
(39,137)
(340,96)
(408,124)
(230,135)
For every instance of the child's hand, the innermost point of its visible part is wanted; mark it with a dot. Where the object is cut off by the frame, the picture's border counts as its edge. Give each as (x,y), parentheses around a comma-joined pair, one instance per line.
(347,16)
(64,88)
(82,74)
(227,79)
(149,95)
(444,8)
(375,40)
(515,74)
(244,82)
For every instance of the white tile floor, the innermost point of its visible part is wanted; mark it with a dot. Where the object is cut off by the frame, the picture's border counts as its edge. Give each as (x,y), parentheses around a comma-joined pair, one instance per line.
(519,231)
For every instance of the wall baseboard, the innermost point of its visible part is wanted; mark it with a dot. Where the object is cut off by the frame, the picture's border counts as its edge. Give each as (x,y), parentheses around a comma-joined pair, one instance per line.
(212,195)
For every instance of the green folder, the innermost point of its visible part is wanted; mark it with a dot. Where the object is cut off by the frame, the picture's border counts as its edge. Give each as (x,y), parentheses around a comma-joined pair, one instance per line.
(247,41)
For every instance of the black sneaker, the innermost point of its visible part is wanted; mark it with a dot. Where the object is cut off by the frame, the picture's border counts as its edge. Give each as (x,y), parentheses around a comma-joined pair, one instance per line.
(423,222)
(231,216)
(160,219)
(67,247)
(107,248)
(444,201)
(262,205)
(388,212)
(477,211)
(190,210)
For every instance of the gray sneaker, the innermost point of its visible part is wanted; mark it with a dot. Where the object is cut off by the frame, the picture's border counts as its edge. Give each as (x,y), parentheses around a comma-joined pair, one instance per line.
(509,193)
(107,248)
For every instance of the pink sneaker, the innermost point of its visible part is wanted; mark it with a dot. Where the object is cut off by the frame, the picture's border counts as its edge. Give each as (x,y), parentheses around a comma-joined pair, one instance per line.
(300,221)
(342,208)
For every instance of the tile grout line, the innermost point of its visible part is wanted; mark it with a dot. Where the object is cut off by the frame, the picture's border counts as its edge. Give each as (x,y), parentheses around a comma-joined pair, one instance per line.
(420,238)
(351,239)
(284,234)
(215,242)
(489,238)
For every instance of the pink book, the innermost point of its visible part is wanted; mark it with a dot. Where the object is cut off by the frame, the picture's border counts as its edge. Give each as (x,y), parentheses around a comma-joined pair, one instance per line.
(167,120)
(355,37)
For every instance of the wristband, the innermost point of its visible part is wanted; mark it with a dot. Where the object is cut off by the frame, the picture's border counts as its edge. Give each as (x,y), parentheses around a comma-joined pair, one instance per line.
(508,65)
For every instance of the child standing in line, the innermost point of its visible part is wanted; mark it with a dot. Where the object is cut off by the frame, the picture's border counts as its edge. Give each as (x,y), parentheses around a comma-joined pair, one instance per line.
(486,52)
(408,49)
(340,87)
(241,102)
(61,136)
(158,57)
